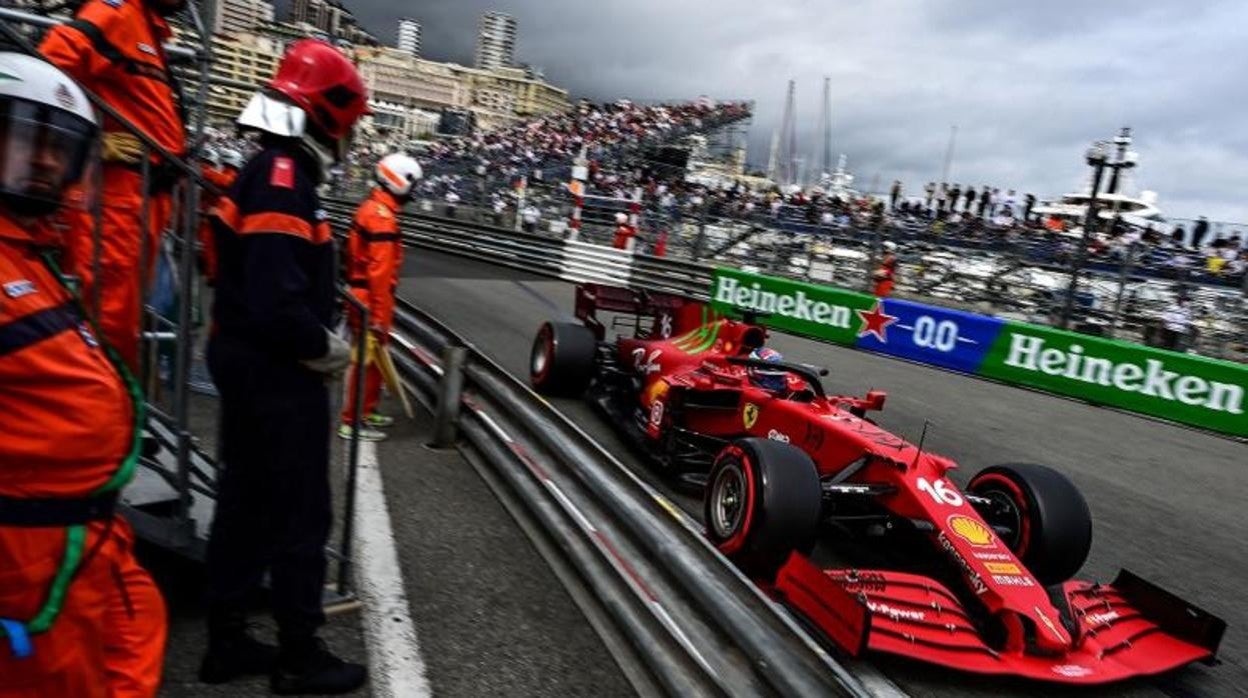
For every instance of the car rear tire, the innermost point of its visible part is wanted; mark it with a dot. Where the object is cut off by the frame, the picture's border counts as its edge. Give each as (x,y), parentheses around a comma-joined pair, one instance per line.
(562,359)
(762,502)
(1050,518)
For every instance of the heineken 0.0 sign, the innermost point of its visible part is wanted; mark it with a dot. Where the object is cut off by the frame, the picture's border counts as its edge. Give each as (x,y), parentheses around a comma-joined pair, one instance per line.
(1194,390)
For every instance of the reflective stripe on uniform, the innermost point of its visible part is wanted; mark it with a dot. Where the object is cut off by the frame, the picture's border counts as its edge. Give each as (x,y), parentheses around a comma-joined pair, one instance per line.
(36,327)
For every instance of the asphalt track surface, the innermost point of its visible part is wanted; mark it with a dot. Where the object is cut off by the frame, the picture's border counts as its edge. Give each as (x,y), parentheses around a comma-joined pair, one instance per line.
(1167,502)
(490,616)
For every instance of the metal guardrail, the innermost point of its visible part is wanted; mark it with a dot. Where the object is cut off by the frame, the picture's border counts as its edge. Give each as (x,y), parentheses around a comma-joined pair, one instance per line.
(684,619)
(545,256)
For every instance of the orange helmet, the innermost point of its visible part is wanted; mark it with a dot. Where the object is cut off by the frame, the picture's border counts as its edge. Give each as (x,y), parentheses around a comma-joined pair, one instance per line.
(324,84)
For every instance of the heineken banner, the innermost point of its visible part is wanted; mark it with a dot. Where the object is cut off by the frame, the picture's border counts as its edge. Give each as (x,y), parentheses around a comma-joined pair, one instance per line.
(1192,389)
(1181,387)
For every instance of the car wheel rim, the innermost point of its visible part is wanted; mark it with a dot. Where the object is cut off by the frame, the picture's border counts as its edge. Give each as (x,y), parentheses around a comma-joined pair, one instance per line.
(729,498)
(1010,516)
(540,358)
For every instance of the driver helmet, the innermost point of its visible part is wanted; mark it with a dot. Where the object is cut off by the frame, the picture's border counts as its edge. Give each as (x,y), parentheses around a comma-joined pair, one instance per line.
(768,378)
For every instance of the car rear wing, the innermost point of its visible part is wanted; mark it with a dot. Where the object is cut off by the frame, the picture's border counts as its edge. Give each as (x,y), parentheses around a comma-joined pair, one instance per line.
(669,314)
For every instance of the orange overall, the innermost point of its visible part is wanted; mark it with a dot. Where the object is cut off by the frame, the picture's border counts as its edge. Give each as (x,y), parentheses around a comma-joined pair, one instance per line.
(885,276)
(115,50)
(222,179)
(374,255)
(69,421)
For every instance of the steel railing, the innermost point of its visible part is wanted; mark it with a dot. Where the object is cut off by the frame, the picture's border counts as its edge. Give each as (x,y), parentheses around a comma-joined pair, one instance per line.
(696,625)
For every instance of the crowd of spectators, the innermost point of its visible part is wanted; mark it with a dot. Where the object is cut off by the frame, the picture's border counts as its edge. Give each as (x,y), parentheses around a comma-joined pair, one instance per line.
(482,169)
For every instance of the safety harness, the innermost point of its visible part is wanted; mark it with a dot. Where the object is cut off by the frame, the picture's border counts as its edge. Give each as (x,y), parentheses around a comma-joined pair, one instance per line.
(73,514)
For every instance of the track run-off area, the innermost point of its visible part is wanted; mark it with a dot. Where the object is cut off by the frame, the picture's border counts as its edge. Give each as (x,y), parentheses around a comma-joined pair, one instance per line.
(1167,501)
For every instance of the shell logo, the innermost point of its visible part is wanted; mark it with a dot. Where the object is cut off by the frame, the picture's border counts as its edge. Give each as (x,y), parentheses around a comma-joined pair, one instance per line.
(971,531)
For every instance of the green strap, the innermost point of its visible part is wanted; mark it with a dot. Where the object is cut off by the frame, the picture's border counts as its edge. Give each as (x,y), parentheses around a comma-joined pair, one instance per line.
(76,536)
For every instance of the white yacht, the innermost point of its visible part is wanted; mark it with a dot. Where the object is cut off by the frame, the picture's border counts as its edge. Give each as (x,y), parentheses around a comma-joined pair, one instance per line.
(1114,201)
(1139,210)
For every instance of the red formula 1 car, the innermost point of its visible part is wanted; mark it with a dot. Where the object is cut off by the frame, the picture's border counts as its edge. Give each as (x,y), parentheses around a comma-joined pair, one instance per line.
(989,587)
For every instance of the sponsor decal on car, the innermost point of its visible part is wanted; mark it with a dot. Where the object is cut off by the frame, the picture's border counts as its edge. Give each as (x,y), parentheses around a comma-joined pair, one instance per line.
(1002,568)
(1009,580)
(749,415)
(646,365)
(972,577)
(992,556)
(777,436)
(864,581)
(884,609)
(1048,623)
(971,531)
(1073,671)
(1102,618)
(814,437)
(665,325)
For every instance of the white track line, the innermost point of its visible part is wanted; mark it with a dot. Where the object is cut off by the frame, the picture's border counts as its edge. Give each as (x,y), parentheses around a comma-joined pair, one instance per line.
(396,669)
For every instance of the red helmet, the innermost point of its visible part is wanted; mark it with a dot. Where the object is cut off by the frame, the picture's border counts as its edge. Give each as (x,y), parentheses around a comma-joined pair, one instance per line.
(324,84)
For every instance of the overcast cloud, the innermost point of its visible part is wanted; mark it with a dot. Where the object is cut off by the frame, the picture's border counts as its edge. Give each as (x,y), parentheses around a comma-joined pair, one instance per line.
(1029,84)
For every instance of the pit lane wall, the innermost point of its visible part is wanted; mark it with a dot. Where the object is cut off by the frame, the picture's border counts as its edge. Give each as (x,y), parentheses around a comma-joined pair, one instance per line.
(1194,390)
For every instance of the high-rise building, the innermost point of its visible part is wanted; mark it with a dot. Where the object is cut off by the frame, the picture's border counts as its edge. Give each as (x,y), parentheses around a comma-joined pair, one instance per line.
(331,17)
(234,16)
(409,36)
(496,41)
(245,58)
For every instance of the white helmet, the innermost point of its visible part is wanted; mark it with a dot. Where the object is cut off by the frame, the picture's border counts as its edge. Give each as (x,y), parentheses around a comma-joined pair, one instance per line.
(398,173)
(232,158)
(621,219)
(50,133)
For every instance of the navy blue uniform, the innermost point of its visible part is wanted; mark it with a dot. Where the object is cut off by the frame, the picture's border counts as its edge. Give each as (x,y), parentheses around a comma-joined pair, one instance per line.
(274,300)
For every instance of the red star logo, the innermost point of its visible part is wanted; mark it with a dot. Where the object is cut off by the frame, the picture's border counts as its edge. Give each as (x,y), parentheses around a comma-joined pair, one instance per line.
(876,322)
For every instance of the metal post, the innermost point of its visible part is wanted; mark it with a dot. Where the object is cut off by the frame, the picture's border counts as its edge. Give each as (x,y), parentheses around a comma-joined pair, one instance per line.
(1081,257)
(450,394)
(877,243)
(521,194)
(1124,273)
(700,240)
(189,219)
(353,451)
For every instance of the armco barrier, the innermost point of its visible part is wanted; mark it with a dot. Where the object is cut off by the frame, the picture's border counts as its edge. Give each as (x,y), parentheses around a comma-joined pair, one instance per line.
(1195,390)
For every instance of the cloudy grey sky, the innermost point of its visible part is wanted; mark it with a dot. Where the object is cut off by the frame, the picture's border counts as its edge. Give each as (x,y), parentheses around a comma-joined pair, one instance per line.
(1029,84)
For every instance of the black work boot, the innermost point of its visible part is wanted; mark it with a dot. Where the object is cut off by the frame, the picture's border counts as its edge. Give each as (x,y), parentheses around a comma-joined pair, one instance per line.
(307,667)
(234,653)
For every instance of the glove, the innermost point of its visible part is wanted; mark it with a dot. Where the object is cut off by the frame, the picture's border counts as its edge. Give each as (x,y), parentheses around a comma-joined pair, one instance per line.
(121,147)
(335,359)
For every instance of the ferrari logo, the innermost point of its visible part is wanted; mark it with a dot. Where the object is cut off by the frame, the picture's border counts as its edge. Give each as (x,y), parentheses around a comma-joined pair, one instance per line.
(750,415)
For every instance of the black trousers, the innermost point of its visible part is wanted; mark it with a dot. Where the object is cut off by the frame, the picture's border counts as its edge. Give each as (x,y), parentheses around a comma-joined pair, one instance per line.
(273,499)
